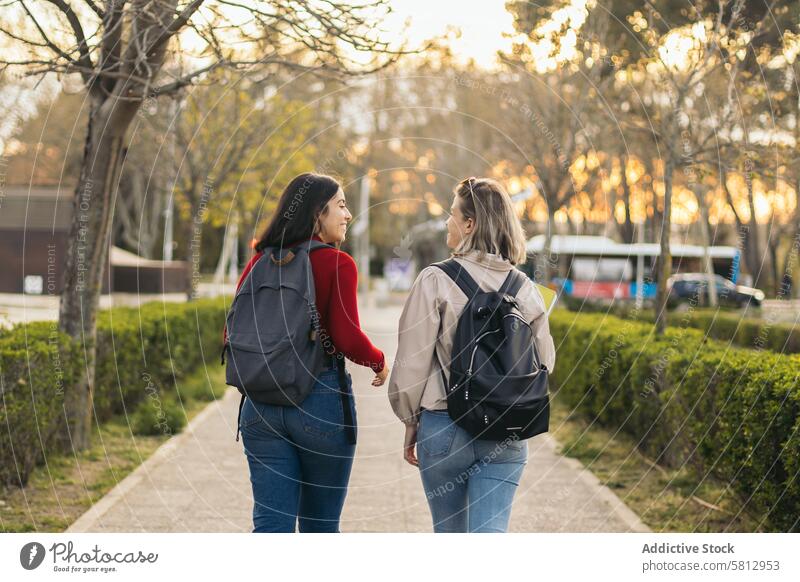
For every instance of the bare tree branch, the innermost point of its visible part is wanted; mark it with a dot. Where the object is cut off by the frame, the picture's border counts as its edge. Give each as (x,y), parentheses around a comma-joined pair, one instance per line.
(178,23)
(85,60)
(185,80)
(111,45)
(47,42)
(95,8)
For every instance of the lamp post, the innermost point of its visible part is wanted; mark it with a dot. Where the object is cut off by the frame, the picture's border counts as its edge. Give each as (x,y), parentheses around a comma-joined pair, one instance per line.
(168,211)
(361,231)
(639,267)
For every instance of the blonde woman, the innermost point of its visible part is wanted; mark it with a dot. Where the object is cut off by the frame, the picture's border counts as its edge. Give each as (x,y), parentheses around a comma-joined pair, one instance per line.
(469,483)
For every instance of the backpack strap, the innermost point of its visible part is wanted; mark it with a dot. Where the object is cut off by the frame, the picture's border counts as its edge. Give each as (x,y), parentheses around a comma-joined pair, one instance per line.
(239,419)
(344,391)
(511,286)
(287,254)
(460,277)
(313,245)
(513,282)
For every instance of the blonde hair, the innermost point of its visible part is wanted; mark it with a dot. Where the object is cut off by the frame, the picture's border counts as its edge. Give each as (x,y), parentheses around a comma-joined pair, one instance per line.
(498,230)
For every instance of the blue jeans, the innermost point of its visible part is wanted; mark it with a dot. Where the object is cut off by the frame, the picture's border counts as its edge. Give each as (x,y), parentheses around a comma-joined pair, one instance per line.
(300,459)
(469,483)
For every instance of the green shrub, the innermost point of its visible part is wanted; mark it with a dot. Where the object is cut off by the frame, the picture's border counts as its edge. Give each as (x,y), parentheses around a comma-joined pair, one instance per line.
(37,365)
(140,352)
(723,325)
(749,332)
(157,343)
(691,402)
(200,390)
(156,416)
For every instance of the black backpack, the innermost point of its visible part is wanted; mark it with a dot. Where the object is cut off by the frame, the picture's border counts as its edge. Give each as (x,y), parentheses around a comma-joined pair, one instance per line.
(274,347)
(498,385)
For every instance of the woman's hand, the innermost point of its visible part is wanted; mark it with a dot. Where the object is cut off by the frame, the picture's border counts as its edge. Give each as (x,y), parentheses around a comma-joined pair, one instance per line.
(409,444)
(381,376)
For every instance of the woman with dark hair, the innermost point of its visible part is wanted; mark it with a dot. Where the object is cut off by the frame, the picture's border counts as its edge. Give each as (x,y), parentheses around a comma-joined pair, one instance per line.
(300,457)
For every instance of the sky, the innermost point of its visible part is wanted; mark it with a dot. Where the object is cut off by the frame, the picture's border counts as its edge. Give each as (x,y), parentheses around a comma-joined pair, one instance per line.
(482,23)
(485,26)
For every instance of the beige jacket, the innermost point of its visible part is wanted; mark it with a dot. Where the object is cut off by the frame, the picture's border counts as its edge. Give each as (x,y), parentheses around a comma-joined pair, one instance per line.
(428,324)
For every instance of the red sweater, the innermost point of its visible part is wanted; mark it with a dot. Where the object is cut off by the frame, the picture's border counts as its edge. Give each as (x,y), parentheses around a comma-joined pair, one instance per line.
(336,286)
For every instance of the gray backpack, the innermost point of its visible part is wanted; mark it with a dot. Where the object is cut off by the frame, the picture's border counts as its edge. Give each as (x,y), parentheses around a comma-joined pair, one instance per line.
(274,349)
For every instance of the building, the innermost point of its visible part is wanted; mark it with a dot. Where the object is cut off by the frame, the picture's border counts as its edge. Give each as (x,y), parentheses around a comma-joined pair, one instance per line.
(34,226)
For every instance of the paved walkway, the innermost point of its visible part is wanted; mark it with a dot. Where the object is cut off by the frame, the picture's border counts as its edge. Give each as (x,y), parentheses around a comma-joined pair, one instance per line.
(198,481)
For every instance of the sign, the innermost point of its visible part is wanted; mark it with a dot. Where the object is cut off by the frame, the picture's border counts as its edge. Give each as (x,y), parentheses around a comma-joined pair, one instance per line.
(399,274)
(33,284)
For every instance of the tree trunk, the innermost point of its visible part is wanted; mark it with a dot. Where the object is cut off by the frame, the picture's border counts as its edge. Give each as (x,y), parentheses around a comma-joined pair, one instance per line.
(544,260)
(198,193)
(656,219)
(87,252)
(115,99)
(228,259)
(193,235)
(626,228)
(775,277)
(745,231)
(665,267)
(137,219)
(753,251)
(790,256)
(705,234)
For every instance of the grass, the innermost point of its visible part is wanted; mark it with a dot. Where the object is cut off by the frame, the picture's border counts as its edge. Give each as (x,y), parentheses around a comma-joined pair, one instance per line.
(666,500)
(61,490)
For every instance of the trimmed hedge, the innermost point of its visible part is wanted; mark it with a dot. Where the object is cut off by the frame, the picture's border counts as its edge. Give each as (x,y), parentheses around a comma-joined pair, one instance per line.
(155,344)
(722,411)
(37,365)
(725,326)
(141,352)
(748,332)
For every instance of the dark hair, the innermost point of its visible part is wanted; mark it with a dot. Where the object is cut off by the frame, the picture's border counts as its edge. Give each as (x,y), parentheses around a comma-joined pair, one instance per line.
(302,202)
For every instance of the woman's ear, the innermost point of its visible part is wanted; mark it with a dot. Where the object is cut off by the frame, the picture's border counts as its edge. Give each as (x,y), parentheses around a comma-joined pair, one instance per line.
(468,226)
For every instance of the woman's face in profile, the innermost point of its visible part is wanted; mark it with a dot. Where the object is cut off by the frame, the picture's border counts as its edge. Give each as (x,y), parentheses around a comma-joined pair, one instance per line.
(333,222)
(457,226)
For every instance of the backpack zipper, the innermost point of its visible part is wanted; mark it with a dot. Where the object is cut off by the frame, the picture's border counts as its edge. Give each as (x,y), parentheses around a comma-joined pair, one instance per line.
(475,349)
(522,319)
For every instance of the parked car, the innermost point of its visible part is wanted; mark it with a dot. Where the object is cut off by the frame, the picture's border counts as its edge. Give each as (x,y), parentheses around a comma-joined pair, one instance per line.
(684,286)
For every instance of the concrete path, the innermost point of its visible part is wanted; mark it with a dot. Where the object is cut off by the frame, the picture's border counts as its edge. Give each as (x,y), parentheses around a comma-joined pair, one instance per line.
(198,481)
